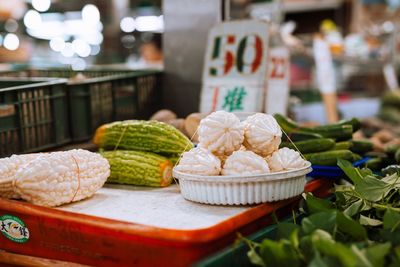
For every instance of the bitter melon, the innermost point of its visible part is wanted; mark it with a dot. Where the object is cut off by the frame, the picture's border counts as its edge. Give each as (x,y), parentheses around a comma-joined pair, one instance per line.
(138,168)
(152,136)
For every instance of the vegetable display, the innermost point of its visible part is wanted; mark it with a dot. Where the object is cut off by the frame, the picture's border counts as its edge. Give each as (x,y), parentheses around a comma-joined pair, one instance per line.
(152,136)
(8,169)
(199,161)
(359,227)
(141,152)
(221,133)
(340,131)
(243,148)
(245,163)
(323,145)
(139,168)
(285,159)
(262,134)
(53,179)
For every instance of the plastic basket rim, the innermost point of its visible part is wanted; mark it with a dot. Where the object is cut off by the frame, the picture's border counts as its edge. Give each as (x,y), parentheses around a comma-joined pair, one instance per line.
(37,82)
(128,73)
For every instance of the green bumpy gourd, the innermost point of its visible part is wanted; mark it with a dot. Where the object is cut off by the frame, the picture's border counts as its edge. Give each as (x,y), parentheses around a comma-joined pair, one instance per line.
(138,168)
(152,136)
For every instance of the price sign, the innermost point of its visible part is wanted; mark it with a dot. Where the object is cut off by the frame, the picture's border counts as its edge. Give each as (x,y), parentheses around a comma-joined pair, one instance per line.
(277,90)
(235,67)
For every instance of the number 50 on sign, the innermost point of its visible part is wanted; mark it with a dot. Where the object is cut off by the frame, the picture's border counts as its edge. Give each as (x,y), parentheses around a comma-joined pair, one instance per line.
(236,57)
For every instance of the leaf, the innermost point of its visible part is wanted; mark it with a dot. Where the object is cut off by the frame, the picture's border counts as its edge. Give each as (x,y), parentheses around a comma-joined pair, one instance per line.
(349,226)
(255,258)
(350,171)
(365,171)
(317,261)
(284,230)
(372,189)
(391,220)
(278,254)
(323,220)
(294,238)
(364,220)
(377,253)
(386,235)
(324,243)
(315,204)
(393,180)
(362,259)
(306,248)
(354,208)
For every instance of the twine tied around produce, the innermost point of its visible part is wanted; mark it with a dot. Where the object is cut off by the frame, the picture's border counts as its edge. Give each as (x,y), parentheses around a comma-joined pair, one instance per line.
(120,137)
(180,156)
(78,171)
(290,140)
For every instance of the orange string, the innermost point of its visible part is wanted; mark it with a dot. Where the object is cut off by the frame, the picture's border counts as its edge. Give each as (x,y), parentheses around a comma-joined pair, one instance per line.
(78,171)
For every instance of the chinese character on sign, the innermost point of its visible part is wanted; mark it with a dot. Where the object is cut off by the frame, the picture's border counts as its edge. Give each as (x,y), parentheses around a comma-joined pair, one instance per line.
(22,231)
(3,226)
(234,99)
(235,68)
(278,68)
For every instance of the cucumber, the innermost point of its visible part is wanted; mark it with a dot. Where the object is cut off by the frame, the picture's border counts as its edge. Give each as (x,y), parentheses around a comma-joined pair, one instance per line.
(391,149)
(311,146)
(356,123)
(287,124)
(391,99)
(335,131)
(374,164)
(386,160)
(296,136)
(338,132)
(361,146)
(344,145)
(390,114)
(329,158)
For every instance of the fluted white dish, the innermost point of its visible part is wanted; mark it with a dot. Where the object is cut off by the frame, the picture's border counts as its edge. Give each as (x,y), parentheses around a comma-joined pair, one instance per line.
(242,190)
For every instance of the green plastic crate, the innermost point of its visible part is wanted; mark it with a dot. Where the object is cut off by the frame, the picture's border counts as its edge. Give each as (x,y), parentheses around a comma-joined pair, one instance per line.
(33,115)
(236,254)
(100,96)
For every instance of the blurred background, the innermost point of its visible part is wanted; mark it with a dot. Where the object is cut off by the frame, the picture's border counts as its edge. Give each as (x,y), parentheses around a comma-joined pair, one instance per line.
(81,33)
(171,35)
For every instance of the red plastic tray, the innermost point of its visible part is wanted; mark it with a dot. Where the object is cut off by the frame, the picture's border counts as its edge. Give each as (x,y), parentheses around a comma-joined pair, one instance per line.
(67,236)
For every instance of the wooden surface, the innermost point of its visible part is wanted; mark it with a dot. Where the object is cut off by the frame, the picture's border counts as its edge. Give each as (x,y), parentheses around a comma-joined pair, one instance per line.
(12,259)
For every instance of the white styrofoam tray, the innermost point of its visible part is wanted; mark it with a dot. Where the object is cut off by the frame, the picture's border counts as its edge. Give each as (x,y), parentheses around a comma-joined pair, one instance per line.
(158,207)
(243,190)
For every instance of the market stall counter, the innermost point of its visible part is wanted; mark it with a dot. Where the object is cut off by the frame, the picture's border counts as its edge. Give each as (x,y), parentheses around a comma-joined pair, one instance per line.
(125,226)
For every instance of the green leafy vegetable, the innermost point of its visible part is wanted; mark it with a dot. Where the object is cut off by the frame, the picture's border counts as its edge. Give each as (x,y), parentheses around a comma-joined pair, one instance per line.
(359,227)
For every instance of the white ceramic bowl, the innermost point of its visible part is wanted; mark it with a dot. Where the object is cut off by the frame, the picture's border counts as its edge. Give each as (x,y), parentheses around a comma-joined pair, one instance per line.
(242,190)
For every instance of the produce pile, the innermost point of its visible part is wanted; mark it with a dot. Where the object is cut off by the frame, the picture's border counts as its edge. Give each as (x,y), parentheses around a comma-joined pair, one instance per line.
(188,126)
(359,227)
(323,145)
(228,146)
(53,179)
(141,152)
(390,107)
